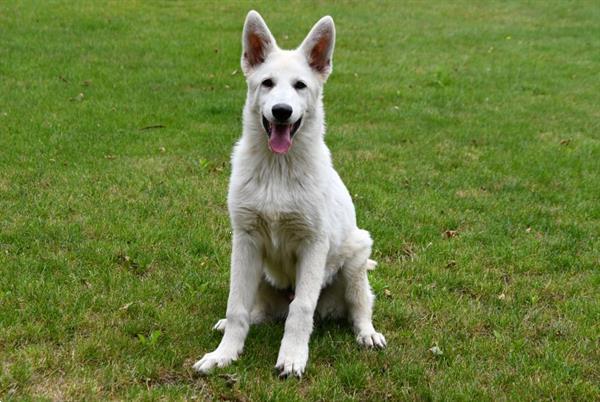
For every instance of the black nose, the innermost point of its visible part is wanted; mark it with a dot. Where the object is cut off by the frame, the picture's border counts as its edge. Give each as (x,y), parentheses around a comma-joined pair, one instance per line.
(282,111)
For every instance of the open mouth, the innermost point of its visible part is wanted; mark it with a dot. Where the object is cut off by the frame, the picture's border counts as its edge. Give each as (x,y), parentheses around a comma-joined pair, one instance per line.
(280,135)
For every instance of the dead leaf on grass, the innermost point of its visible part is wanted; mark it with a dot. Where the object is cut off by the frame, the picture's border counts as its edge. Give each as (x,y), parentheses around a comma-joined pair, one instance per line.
(448,234)
(78,98)
(230,379)
(436,351)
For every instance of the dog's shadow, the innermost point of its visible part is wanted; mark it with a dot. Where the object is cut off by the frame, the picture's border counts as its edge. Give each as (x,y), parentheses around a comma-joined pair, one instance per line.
(329,340)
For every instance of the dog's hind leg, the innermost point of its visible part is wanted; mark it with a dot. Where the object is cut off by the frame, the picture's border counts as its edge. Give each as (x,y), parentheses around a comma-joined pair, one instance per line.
(270,304)
(358,294)
(332,301)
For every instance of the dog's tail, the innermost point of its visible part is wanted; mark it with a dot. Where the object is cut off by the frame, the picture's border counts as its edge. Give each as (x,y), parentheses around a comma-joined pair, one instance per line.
(371,264)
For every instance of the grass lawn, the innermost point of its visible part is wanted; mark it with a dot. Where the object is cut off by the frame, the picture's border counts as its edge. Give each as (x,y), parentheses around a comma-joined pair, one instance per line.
(467,133)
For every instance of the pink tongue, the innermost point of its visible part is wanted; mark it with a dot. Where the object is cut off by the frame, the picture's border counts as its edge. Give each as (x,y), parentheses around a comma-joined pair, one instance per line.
(280,140)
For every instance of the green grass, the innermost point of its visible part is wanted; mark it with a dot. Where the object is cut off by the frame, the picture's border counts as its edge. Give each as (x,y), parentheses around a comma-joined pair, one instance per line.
(479,117)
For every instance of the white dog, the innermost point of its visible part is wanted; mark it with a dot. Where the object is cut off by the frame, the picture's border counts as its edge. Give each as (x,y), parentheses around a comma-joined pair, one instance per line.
(296,247)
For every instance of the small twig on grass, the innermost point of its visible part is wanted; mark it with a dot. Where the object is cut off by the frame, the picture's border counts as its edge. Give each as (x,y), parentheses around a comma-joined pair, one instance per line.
(152,127)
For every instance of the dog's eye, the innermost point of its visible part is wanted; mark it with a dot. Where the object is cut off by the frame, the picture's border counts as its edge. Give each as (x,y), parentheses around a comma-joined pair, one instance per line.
(268,83)
(299,85)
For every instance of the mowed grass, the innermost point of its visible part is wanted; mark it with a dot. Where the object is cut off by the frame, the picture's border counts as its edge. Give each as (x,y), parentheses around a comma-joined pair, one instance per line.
(467,133)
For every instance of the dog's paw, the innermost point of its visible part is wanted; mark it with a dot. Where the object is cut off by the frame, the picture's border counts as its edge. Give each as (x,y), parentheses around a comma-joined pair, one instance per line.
(292,361)
(212,360)
(220,325)
(372,340)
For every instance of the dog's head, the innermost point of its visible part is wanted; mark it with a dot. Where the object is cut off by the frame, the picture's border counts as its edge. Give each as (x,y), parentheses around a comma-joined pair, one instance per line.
(284,86)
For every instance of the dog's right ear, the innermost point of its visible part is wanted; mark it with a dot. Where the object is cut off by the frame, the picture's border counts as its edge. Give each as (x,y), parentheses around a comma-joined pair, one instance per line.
(257,42)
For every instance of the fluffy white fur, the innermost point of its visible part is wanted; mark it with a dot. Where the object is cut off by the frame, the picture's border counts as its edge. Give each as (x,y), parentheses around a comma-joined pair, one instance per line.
(294,224)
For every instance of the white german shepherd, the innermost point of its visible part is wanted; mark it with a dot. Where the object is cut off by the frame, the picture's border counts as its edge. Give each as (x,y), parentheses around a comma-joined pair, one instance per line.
(296,247)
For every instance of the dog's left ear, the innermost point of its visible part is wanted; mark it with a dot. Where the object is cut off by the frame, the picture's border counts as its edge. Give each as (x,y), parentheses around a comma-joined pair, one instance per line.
(318,46)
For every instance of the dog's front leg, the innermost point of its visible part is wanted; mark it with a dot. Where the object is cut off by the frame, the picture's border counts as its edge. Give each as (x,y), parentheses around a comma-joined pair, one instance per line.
(310,270)
(246,271)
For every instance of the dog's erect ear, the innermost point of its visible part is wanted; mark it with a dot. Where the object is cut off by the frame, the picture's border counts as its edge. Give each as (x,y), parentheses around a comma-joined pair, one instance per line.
(318,46)
(257,42)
